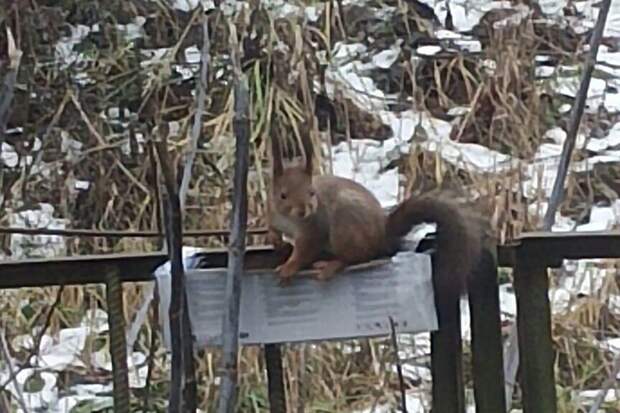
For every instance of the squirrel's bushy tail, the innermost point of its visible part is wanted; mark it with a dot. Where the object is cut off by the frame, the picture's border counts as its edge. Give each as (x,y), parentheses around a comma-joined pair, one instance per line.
(458,241)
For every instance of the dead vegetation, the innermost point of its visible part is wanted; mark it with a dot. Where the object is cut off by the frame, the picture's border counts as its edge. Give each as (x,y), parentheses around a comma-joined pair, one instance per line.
(93,120)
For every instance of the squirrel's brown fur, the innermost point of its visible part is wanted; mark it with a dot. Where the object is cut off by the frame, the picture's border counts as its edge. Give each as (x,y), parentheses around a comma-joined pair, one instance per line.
(336,217)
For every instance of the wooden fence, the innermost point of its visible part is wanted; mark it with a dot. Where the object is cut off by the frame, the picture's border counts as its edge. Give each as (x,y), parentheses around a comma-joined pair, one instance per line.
(530,256)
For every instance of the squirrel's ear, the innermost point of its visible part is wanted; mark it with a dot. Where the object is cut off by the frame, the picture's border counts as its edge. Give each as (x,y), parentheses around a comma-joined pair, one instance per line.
(276,155)
(306,141)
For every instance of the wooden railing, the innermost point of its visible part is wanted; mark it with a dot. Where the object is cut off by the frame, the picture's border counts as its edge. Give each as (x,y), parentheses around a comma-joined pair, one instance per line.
(530,256)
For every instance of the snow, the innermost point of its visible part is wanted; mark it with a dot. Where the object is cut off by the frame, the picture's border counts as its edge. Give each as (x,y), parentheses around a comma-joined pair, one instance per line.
(363,160)
(22,245)
(428,50)
(65,351)
(386,58)
(8,156)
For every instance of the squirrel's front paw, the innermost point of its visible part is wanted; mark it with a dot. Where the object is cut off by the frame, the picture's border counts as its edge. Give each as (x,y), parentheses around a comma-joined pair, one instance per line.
(285,273)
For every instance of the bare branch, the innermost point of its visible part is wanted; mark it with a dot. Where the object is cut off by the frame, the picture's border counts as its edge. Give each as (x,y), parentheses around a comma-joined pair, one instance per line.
(201,96)
(399,367)
(34,351)
(611,380)
(12,372)
(236,252)
(8,86)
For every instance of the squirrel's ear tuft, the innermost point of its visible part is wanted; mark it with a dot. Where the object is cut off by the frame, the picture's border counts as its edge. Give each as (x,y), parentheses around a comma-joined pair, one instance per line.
(306,141)
(276,155)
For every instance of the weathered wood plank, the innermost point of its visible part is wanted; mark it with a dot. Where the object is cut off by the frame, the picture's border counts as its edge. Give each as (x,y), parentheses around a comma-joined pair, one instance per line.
(136,267)
(92,269)
(88,269)
(551,247)
(85,269)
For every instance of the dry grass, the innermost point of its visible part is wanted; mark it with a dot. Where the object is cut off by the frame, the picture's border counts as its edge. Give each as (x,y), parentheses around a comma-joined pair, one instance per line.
(326,377)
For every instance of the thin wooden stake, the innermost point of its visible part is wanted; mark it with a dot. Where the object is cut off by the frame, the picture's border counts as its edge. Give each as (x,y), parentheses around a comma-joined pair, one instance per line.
(190,391)
(236,250)
(154,320)
(174,236)
(399,367)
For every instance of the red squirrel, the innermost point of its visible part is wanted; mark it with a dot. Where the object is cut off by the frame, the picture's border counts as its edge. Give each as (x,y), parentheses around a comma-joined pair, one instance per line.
(338,217)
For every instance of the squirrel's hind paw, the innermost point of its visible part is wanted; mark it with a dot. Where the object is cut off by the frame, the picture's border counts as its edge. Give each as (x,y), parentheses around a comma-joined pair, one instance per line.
(329,269)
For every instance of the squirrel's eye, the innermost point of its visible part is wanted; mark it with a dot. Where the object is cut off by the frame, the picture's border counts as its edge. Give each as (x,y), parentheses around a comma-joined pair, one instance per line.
(312,193)
(282,195)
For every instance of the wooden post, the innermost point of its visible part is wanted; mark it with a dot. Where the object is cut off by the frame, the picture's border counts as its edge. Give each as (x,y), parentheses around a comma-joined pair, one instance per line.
(118,345)
(534,331)
(488,366)
(190,389)
(275,378)
(446,358)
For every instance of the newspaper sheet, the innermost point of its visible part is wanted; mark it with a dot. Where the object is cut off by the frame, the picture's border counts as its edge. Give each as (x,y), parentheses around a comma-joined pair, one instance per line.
(356,303)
